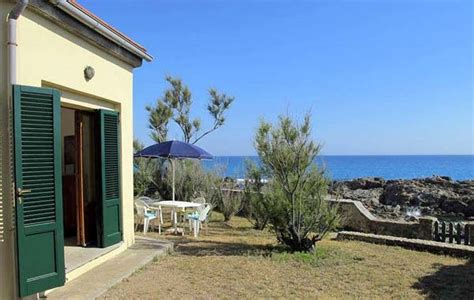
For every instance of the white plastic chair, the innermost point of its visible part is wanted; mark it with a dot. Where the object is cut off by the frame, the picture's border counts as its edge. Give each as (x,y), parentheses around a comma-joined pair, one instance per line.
(145,213)
(198,217)
(149,201)
(200,200)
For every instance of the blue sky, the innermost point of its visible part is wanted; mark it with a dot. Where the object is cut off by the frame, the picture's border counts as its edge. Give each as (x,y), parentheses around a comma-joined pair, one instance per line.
(380,77)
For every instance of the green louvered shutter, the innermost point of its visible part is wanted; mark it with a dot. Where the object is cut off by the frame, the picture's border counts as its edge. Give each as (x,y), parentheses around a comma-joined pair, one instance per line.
(111,229)
(39,221)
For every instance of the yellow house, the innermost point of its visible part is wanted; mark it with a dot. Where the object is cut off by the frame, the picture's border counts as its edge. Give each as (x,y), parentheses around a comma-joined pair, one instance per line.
(66,185)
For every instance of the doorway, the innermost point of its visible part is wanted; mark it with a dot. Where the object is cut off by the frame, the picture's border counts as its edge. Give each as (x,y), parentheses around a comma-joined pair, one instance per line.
(42,132)
(79,177)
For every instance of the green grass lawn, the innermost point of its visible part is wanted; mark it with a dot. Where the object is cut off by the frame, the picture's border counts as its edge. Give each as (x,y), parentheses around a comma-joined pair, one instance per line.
(235,261)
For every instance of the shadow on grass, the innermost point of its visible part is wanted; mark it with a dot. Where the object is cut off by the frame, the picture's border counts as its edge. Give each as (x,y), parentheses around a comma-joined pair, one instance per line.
(219,248)
(221,239)
(449,282)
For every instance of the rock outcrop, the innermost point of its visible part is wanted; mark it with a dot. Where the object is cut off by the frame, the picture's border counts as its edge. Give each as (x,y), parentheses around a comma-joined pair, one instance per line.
(438,196)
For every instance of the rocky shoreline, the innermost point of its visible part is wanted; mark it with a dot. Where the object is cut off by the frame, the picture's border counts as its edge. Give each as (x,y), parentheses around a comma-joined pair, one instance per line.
(407,199)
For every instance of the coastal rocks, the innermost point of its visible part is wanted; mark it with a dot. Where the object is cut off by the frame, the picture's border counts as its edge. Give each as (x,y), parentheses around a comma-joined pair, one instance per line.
(434,196)
(362,195)
(361,189)
(366,183)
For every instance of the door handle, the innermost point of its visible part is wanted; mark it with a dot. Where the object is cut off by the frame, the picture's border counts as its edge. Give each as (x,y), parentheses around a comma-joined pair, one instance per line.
(20,192)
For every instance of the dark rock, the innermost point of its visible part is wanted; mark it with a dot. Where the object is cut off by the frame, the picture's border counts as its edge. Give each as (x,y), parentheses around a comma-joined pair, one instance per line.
(455,206)
(433,196)
(366,183)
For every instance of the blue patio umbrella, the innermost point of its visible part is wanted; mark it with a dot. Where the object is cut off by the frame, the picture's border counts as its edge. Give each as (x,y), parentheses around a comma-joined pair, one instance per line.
(174,150)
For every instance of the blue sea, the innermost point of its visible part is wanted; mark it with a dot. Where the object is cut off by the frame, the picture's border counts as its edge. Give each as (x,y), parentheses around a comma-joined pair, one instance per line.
(458,167)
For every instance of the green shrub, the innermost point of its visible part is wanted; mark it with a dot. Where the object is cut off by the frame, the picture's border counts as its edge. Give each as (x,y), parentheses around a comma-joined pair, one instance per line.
(298,212)
(227,200)
(144,170)
(191,181)
(256,202)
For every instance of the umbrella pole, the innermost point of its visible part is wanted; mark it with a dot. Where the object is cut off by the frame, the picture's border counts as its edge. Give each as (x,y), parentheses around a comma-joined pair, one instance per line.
(175,215)
(173,167)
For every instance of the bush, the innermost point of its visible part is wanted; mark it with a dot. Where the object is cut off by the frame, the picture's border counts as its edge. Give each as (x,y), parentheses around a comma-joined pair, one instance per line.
(144,170)
(227,200)
(256,202)
(298,212)
(191,181)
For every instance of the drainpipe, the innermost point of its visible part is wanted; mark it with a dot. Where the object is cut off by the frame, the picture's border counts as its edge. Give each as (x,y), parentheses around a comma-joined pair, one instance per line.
(7,139)
(13,16)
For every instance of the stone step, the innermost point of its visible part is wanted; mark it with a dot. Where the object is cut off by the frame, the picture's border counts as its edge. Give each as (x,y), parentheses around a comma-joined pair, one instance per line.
(97,281)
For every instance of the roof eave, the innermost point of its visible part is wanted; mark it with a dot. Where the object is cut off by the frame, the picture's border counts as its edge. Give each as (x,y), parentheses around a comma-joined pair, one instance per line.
(87,18)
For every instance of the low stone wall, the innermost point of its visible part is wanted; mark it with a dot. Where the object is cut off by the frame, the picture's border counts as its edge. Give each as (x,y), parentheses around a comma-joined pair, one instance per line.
(355,217)
(414,244)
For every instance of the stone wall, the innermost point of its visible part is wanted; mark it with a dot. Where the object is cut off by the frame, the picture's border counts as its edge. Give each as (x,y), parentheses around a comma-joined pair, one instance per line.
(355,217)
(415,244)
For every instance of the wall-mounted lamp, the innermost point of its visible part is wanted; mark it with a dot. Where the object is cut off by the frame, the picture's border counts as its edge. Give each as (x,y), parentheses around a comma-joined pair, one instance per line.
(89,73)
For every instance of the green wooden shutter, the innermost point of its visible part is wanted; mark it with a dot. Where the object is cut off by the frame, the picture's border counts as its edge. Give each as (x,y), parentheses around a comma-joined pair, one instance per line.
(111,229)
(39,221)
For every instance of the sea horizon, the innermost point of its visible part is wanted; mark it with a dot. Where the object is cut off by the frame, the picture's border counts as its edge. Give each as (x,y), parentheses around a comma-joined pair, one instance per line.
(387,166)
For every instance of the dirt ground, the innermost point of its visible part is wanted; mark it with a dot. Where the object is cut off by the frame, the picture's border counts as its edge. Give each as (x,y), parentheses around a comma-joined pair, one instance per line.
(234,261)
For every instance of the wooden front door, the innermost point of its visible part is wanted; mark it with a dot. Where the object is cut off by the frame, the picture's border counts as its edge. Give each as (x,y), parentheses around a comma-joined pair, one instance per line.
(80,219)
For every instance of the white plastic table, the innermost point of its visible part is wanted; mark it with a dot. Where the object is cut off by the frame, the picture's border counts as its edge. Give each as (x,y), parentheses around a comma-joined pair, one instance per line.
(175,207)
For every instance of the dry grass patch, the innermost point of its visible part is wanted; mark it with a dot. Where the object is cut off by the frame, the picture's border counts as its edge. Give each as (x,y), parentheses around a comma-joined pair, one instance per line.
(235,261)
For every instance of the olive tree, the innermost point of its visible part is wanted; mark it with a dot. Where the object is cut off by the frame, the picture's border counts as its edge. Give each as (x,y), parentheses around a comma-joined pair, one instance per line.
(299,214)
